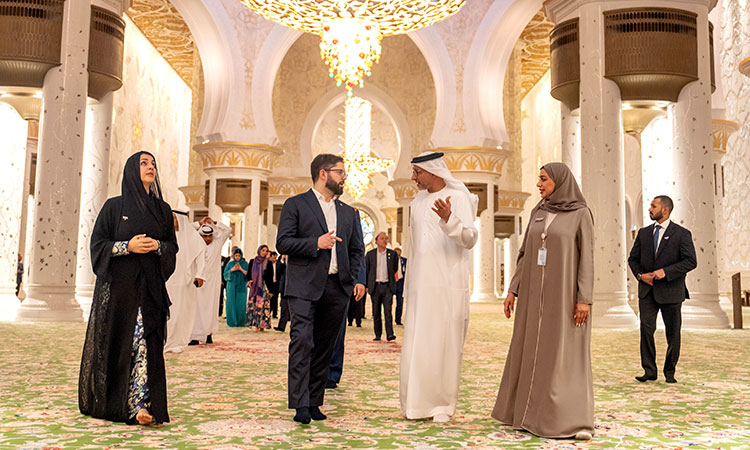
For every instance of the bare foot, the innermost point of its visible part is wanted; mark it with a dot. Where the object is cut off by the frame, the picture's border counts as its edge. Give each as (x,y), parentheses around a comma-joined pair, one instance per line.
(144,418)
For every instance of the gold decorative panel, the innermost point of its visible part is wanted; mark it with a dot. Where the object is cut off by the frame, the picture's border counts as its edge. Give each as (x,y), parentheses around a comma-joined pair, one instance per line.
(30,36)
(535,59)
(475,159)
(106,49)
(512,200)
(744,66)
(288,186)
(651,53)
(720,132)
(404,189)
(238,155)
(565,63)
(194,195)
(167,31)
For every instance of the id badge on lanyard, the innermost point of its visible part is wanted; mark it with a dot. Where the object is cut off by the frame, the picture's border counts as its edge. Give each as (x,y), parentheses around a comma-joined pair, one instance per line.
(541,257)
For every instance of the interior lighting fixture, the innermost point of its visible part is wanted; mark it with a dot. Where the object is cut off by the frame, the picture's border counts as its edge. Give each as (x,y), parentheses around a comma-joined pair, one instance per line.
(357,160)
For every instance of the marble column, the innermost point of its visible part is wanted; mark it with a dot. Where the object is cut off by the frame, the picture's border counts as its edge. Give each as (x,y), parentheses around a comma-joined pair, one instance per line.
(214,210)
(23,235)
(94,183)
(14,132)
(391,221)
(499,266)
(484,270)
(571,140)
(602,174)
(51,290)
(252,221)
(694,187)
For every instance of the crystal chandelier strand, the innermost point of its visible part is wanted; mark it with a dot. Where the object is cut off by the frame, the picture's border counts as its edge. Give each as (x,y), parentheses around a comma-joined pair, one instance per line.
(357,137)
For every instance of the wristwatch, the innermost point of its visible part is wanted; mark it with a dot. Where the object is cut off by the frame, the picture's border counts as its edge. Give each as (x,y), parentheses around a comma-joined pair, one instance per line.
(639,276)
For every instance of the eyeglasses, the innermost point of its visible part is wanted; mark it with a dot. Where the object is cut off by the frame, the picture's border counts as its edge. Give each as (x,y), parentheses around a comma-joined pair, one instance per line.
(341,172)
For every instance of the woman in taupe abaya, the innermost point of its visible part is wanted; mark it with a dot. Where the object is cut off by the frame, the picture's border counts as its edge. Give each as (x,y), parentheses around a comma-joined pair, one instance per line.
(547,385)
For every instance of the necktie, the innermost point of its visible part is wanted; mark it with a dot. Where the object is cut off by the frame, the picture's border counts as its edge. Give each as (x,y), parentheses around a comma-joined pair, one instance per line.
(656,238)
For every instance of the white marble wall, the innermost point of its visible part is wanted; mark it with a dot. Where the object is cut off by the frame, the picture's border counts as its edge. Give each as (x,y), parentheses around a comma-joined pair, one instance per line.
(13,129)
(151,112)
(734,215)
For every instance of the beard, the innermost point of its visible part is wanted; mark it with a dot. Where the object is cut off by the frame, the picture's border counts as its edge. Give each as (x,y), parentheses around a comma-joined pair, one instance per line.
(334,187)
(656,216)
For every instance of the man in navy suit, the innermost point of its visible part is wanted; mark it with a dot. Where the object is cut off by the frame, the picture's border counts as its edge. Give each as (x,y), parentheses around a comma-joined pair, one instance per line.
(381,265)
(400,274)
(322,239)
(662,254)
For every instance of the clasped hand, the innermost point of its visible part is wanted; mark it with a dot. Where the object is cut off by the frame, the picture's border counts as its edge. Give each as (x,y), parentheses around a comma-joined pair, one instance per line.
(328,240)
(580,315)
(142,244)
(649,278)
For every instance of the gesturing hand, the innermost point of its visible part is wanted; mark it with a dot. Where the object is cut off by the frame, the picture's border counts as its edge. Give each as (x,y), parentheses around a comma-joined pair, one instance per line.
(443,208)
(328,240)
(508,304)
(142,244)
(581,314)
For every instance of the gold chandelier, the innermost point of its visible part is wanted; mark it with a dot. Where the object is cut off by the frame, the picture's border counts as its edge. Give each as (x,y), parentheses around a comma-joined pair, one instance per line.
(359,164)
(351,31)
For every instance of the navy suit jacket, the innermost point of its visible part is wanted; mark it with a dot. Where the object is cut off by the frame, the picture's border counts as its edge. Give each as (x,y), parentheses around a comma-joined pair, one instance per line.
(676,256)
(300,225)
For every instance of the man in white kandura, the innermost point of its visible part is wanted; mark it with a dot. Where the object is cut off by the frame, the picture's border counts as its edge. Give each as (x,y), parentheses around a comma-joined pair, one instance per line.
(215,234)
(184,283)
(437,290)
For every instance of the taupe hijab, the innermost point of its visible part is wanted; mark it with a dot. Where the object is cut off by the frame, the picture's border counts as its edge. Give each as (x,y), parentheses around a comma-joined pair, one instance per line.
(567,195)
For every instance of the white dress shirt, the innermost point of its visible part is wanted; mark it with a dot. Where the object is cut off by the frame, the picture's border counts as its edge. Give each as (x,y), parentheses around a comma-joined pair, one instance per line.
(381,272)
(663,228)
(329,211)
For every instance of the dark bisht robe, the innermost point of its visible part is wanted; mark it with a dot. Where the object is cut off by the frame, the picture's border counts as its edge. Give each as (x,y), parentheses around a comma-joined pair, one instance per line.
(123,284)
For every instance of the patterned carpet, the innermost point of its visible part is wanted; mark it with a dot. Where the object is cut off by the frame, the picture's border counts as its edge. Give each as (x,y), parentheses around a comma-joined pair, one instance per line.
(231,395)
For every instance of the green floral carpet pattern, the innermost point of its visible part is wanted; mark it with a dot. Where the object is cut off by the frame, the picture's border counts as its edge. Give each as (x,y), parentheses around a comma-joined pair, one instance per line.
(232,395)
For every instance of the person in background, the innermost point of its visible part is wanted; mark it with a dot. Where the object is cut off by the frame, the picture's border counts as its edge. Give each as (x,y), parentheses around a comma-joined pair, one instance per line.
(381,268)
(258,304)
(234,275)
(224,261)
(400,275)
(272,282)
(284,314)
(19,274)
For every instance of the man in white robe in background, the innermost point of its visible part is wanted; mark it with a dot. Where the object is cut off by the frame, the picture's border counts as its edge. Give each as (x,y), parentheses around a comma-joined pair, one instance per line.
(215,234)
(437,290)
(184,283)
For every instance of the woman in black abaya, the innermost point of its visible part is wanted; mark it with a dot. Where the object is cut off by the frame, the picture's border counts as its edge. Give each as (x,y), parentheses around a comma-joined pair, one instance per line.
(133,249)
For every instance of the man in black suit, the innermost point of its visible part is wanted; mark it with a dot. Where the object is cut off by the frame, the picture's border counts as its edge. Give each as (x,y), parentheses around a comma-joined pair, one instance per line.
(322,238)
(272,282)
(400,274)
(381,266)
(662,254)
(281,276)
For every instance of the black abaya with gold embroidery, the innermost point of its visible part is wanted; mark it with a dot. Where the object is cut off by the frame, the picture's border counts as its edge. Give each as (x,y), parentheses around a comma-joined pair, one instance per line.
(126,284)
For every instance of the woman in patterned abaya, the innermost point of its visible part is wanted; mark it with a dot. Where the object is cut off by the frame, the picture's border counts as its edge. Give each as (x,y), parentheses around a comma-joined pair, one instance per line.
(235,272)
(133,250)
(547,386)
(258,303)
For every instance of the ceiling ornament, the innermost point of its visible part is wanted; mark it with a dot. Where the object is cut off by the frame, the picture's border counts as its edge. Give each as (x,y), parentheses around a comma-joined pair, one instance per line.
(357,160)
(535,61)
(351,30)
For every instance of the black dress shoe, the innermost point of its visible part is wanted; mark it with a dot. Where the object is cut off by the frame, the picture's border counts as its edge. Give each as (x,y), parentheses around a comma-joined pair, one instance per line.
(359,325)
(643,378)
(399,323)
(376,339)
(194,342)
(303,415)
(391,338)
(278,329)
(330,384)
(316,414)
(669,379)
(209,340)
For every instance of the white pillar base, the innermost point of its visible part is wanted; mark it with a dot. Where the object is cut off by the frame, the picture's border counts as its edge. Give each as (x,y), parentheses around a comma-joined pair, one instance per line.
(611,310)
(9,305)
(484,297)
(703,311)
(84,296)
(50,304)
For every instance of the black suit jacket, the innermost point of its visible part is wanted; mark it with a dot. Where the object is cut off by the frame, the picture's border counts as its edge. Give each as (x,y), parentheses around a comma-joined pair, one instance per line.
(300,225)
(371,263)
(676,256)
(272,286)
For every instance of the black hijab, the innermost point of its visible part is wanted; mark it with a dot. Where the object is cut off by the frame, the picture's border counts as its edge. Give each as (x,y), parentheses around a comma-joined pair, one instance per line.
(132,187)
